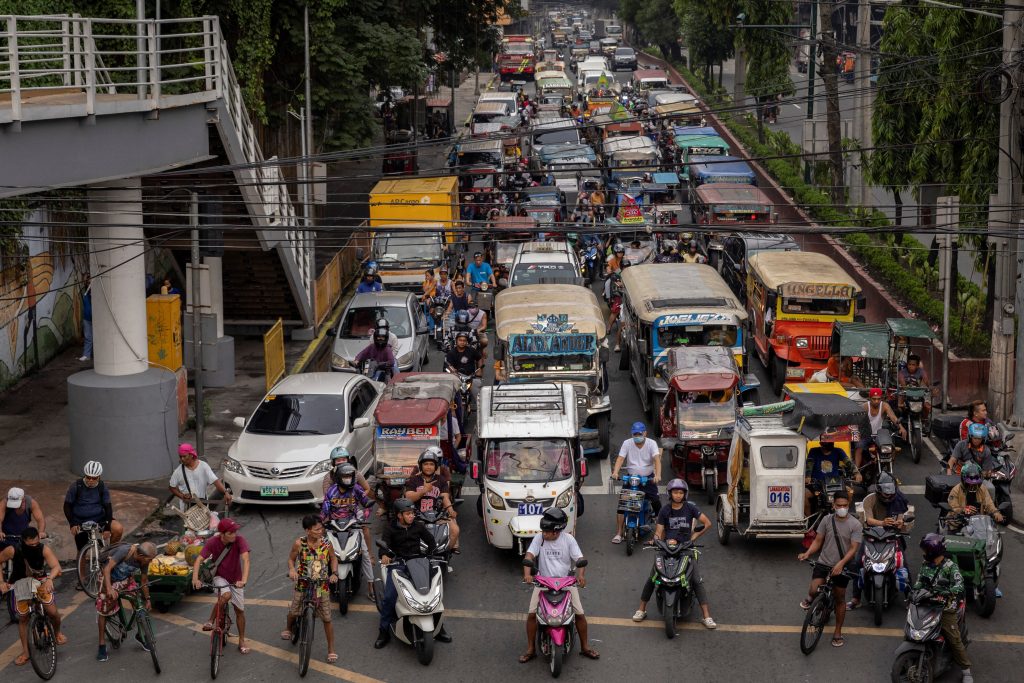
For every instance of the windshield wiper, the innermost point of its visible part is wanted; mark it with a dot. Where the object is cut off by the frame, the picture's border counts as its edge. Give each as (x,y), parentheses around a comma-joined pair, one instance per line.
(551,474)
(304,431)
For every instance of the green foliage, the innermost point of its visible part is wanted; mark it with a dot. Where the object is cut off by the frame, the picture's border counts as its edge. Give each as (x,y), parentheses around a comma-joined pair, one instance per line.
(658,23)
(704,25)
(768,50)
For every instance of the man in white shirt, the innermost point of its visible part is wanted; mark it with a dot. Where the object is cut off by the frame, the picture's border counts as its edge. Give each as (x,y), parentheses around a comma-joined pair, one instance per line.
(642,457)
(192,480)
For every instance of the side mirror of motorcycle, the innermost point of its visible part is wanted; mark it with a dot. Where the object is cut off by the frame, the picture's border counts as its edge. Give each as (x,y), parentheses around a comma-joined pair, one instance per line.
(583,468)
(581,563)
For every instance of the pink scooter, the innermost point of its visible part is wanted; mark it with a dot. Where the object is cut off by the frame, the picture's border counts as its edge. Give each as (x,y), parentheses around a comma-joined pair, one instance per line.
(556,619)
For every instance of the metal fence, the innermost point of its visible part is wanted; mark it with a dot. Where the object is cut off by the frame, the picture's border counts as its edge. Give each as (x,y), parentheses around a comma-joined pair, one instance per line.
(273,353)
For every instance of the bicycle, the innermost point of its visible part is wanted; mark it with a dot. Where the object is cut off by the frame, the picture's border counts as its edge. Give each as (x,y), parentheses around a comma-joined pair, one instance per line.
(304,628)
(119,625)
(819,612)
(42,636)
(89,571)
(221,630)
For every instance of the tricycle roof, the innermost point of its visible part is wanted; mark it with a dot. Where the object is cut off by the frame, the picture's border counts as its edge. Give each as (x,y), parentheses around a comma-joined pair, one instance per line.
(814,414)
(412,412)
(423,385)
(913,328)
(528,410)
(866,340)
(702,368)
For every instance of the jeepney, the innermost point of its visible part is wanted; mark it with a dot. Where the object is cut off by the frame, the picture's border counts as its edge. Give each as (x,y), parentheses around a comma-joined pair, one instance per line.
(554,83)
(793,299)
(528,459)
(694,141)
(703,170)
(674,304)
(649,79)
(731,205)
(556,332)
(404,251)
(629,158)
(678,114)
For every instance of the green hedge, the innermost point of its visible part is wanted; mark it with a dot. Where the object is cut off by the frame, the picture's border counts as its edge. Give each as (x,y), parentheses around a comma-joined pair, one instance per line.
(965,335)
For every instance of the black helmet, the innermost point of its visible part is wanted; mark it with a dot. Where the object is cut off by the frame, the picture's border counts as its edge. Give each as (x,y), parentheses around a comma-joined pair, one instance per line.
(462,317)
(370,271)
(403,505)
(933,545)
(380,338)
(693,244)
(344,475)
(433,454)
(554,519)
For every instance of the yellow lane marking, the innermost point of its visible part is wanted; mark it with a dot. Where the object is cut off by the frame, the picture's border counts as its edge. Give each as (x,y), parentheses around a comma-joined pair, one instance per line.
(276,652)
(1008,638)
(8,655)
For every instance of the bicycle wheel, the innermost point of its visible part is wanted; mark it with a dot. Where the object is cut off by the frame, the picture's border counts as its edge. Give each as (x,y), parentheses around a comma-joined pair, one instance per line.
(89,574)
(114,631)
(217,643)
(814,624)
(42,650)
(305,639)
(148,637)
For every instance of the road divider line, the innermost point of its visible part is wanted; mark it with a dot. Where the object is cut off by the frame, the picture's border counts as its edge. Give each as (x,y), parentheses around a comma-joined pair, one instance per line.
(8,655)
(332,670)
(624,622)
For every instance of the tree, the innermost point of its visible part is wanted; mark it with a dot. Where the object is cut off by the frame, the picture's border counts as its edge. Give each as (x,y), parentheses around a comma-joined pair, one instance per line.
(659,24)
(829,74)
(768,52)
(709,39)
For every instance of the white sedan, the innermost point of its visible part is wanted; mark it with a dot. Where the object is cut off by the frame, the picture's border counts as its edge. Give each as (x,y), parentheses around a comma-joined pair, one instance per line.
(283,453)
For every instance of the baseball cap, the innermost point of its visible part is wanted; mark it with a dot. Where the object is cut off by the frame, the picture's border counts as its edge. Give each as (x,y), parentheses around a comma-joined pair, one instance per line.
(874,392)
(226,526)
(15,496)
(638,428)
(187,449)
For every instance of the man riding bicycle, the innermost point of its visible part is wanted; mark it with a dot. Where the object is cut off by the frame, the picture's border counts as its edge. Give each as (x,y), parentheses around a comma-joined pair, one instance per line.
(120,562)
(33,560)
(642,457)
(230,554)
(308,553)
(88,500)
(20,512)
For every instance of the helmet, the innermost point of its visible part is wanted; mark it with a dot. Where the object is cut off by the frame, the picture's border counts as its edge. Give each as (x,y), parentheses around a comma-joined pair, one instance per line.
(970,475)
(370,271)
(933,545)
(886,487)
(462,334)
(339,452)
(618,248)
(554,519)
(344,475)
(462,317)
(693,244)
(383,323)
(977,430)
(638,428)
(380,338)
(403,505)
(432,454)
(677,484)
(93,468)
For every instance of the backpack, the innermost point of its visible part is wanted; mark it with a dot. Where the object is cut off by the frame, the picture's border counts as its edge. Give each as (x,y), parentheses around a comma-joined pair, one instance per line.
(80,486)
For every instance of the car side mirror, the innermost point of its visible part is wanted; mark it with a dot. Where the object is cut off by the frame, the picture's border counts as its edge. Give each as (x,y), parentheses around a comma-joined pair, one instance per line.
(862,302)
(360,422)
(331,332)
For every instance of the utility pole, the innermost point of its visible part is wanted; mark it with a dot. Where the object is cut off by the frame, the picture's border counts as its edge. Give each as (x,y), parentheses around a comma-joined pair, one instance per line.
(864,97)
(307,124)
(197,319)
(812,60)
(833,124)
(947,226)
(1005,218)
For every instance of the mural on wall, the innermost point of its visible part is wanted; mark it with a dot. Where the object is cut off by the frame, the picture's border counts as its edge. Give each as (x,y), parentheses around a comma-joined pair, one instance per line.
(39,306)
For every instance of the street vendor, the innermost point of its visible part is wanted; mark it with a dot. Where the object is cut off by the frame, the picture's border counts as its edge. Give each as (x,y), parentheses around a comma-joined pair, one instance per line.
(191,481)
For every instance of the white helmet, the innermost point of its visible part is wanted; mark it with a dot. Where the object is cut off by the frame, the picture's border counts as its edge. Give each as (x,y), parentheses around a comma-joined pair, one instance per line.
(93,468)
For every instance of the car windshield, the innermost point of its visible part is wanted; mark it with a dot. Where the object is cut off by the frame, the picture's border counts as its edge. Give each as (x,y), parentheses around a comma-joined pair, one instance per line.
(419,246)
(529,460)
(491,158)
(541,273)
(702,417)
(566,363)
(803,306)
(624,52)
(557,136)
(696,335)
(297,414)
(359,322)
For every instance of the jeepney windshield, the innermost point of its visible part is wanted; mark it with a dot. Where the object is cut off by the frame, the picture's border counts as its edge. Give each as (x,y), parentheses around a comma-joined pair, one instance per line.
(696,335)
(567,363)
(695,410)
(529,460)
(805,306)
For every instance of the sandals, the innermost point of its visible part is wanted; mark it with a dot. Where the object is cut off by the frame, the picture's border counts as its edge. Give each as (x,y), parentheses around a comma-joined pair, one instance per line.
(852,605)
(838,641)
(332,658)
(286,635)
(22,660)
(616,539)
(62,639)
(805,604)
(590,654)
(244,649)
(527,656)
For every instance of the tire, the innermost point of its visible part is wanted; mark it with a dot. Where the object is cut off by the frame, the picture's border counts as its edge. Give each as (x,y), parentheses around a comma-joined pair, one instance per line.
(424,646)
(216,652)
(557,655)
(778,370)
(669,614)
(305,640)
(112,628)
(147,635)
(911,662)
(985,602)
(624,359)
(879,610)
(709,488)
(342,588)
(814,625)
(724,532)
(603,423)
(89,569)
(480,505)
(630,540)
(42,646)
(916,443)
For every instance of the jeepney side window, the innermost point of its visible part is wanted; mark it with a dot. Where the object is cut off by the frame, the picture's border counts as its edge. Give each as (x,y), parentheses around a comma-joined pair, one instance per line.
(779,457)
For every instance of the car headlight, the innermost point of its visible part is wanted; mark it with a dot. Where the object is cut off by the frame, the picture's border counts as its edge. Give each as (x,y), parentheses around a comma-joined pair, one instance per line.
(801,343)
(232,465)
(564,500)
(339,362)
(322,467)
(495,501)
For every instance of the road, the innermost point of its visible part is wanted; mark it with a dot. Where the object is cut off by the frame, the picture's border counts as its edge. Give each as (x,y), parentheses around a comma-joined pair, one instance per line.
(754,590)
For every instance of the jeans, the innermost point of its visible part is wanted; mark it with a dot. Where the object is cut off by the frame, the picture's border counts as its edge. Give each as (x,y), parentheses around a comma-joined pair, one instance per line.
(87,336)
(388,616)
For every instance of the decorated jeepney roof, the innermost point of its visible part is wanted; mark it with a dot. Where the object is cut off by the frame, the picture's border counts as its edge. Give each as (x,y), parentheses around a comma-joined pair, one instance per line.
(658,289)
(702,368)
(779,268)
(548,309)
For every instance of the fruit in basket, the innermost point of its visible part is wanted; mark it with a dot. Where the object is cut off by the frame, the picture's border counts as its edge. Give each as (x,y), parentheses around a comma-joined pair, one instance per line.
(172,548)
(191,553)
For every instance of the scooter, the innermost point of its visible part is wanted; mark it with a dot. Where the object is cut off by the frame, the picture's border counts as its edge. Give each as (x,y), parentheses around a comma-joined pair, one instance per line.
(636,510)
(1002,479)
(590,255)
(879,454)
(556,619)
(344,536)
(913,408)
(433,520)
(674,594)
(418,582)
(924,656)
(977,548)
(883,561)
(465,390)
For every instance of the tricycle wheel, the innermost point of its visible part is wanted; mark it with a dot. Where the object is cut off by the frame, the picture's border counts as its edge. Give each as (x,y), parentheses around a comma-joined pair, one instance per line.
(723,529)
(985,600)
(603,425)
(709,488)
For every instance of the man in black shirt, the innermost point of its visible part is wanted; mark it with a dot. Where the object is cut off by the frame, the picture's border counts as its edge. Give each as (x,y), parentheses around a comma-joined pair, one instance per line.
(32,559)
(465,360)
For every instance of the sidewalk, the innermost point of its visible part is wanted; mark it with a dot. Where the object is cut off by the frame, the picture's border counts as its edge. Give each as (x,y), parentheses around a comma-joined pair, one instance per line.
(35,440)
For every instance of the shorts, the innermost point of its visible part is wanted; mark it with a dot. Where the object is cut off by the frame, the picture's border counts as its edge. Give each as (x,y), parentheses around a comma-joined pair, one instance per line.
(23,607)
(323,607)
(574,597)
(107,607)
(221,585)
(822,571)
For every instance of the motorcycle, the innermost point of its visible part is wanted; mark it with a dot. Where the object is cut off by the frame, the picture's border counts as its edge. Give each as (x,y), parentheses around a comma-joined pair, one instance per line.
(378,372)
(924,655)
(590,256)
(674,593)
(418,582)
(636,510)
(433,520)
(882,563)
(556,618)
(438,307)
(910,416)
(344,537)
(465,391)
(879,454)
(977,548)
(1002,479)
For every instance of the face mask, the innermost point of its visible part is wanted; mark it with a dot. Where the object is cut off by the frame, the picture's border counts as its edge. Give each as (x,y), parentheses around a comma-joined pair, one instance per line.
(639,440)
(33,553)
(842,512)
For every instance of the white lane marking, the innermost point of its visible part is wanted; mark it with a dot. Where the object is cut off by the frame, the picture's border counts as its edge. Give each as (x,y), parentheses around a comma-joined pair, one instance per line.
(934,450)
(606,475)
(915,490)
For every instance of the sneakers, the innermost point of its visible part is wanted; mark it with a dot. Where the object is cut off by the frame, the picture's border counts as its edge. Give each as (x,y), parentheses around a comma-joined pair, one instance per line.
(966,676)
(618,348)
(639,615)
(616,539)
(101,654)
(709,623)
(84,359)
(140,641)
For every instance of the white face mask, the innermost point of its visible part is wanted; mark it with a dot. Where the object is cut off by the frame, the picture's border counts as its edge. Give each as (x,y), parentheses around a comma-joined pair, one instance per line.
(842,512)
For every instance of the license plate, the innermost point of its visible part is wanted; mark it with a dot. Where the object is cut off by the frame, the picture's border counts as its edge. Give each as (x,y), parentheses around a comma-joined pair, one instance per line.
(531,509)
(273,491)
(780,496)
